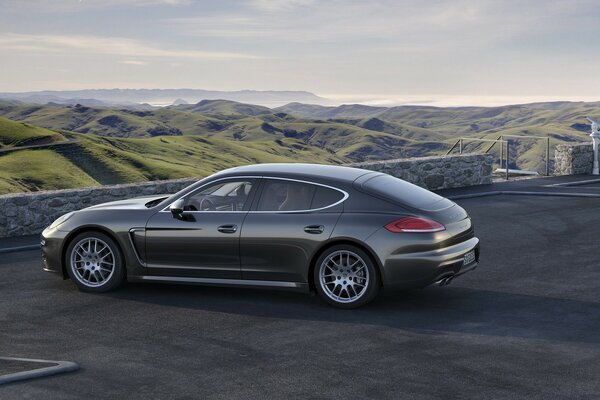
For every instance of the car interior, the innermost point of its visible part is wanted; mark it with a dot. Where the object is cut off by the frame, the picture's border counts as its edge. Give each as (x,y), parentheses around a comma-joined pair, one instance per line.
(286,196)
(230,196)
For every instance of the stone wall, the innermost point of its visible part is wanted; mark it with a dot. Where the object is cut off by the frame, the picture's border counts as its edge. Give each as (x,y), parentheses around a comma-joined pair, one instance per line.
(438,172)
(30,213)
(573,159)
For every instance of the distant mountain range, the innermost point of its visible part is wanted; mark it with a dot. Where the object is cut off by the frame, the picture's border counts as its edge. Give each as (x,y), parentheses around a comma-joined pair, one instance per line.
(111,144)
(162,97)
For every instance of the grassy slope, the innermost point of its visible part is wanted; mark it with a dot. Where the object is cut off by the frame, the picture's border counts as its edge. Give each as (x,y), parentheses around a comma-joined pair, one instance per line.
(199,139)
(466,120)
(98,121)
(172,157)
(17,134)
(560,121)
(361,141)
(98,160)
(223,107)
(27,170)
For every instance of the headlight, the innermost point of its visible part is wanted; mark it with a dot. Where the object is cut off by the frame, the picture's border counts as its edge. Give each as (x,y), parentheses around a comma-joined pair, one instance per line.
(61,220)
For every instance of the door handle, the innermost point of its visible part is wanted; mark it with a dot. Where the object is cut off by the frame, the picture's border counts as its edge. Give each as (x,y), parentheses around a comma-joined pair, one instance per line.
(314,229)
(227,228)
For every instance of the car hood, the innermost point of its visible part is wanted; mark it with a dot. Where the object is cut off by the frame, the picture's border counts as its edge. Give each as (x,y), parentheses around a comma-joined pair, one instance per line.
(129,204)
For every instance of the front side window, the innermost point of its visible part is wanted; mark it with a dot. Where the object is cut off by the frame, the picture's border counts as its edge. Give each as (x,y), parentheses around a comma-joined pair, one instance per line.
(282,195)
(221,196)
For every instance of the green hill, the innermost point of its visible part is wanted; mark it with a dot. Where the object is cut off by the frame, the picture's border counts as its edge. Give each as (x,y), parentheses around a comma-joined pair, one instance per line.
(113,145)
(460,121)
(40,169)
(91,160)
(560,121)
(18,134)
(357,140)
(223,107)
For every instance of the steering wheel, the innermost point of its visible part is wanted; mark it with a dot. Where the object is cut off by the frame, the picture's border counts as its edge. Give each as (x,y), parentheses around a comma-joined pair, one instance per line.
(207,205)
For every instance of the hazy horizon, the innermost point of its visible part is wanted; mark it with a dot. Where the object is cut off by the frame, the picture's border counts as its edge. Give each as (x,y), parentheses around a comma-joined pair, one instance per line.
(382,52)
(336,99)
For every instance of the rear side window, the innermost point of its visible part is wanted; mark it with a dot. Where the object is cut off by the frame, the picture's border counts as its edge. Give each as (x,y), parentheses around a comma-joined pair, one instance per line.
(282,195)
(397,190)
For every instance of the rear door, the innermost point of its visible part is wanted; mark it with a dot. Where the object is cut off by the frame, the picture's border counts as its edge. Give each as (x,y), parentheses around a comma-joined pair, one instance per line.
(289,222)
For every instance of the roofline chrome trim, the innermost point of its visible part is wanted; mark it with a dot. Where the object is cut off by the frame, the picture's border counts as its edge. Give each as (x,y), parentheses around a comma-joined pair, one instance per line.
(346,195)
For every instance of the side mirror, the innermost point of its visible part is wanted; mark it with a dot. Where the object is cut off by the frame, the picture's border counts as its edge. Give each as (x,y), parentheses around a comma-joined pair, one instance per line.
(176,208)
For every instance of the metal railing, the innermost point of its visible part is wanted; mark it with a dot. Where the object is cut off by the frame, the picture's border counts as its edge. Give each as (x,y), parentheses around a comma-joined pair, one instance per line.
(505,142)
(546,138)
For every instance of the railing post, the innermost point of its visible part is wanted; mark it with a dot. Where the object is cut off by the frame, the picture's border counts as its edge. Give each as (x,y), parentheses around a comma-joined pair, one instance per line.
(501,151)
(460,146)
(507,160)
(548,156)
(595,134)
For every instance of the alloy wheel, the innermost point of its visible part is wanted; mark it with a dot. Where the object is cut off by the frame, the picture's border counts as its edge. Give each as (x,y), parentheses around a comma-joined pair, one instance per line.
(92,262)
(344,276)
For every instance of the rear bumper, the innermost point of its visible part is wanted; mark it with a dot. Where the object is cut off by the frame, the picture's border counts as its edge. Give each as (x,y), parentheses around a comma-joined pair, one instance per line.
(412,270)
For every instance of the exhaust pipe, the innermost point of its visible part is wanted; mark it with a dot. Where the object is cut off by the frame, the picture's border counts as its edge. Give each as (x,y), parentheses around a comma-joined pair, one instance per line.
(445,281)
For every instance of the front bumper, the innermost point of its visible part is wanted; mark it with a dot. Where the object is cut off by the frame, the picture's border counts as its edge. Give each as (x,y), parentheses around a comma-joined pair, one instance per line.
(425,268)
(51,242)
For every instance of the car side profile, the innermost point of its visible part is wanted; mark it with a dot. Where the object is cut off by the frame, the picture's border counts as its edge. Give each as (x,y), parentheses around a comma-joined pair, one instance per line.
(342,232)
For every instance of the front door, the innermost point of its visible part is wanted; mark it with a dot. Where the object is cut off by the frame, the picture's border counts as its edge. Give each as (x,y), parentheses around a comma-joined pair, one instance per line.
(204,241)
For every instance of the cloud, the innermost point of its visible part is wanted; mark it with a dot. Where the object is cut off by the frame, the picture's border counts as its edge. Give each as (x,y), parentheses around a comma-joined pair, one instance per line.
(338,21)
(107,46)
(133,62)
(404,24)
(388,46)
(78,5)
(280,5)
(112,3)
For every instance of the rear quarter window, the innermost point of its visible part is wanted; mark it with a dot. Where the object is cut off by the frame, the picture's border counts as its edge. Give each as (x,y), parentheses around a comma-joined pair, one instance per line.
(399,191)
(325,197)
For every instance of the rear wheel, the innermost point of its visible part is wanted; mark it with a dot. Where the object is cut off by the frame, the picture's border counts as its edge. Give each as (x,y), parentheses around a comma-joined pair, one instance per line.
(94,262)
(346,277)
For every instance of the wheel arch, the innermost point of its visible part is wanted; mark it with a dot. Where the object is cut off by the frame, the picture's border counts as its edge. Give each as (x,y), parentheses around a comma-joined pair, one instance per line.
(90,228)
(340,241)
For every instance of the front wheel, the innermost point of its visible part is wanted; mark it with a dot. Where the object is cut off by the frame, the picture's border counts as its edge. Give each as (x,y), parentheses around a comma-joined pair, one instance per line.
(94,262)
(346,277)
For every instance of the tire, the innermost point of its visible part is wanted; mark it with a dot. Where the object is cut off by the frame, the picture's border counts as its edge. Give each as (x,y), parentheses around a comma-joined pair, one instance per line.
(95,263)
(346,277)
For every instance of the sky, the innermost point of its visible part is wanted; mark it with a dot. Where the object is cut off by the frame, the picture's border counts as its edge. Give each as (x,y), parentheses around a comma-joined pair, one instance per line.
(373,52)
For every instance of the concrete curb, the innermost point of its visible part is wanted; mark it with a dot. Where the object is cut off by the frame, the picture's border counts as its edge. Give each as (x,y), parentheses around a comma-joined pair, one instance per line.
(576,183)
(19,248)
(60,367)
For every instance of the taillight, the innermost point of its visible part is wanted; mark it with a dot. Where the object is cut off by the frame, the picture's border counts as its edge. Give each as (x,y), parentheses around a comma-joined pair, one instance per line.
(414,225)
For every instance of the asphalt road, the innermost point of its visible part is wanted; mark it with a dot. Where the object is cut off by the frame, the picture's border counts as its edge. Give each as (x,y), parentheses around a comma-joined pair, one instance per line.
(525,324)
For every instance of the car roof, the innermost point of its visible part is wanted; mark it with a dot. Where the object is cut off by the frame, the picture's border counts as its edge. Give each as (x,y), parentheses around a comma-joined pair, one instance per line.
(307,171)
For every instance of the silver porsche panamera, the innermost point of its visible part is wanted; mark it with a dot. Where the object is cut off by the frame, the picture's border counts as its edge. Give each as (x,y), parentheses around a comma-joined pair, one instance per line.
(342,232)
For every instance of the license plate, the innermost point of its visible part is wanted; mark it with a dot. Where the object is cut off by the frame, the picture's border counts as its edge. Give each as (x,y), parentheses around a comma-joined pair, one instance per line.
(469,258)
